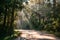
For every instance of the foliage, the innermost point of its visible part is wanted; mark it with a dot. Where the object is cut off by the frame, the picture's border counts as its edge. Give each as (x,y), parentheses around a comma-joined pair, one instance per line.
(7,16)
(51,20)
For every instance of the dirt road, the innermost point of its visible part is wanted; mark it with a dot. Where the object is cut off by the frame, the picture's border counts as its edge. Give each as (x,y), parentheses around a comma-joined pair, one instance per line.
(36,35)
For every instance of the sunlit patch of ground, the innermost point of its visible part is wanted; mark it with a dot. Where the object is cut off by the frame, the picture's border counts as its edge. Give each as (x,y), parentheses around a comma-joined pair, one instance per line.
(31,34)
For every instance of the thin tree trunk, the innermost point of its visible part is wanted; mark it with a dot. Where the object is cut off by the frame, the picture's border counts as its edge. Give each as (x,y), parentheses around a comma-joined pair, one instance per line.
(12,20)
(4,22)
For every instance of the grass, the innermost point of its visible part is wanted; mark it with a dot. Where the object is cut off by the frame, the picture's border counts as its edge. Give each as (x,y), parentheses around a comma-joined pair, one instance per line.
(8,37)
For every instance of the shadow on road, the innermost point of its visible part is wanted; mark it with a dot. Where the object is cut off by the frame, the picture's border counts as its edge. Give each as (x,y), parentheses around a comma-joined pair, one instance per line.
(34,35)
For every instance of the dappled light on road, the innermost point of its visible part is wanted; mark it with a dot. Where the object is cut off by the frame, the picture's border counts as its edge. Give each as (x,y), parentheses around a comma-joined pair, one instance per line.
(31,34)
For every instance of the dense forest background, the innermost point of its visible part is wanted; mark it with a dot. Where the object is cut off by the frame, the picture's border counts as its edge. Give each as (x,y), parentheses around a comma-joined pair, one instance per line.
(49,21)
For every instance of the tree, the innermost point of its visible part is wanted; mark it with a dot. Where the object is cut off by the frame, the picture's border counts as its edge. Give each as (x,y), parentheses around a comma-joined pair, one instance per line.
(8,8)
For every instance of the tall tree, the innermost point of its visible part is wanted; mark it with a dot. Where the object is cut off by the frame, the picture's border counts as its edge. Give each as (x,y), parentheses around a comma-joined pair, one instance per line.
(8,8)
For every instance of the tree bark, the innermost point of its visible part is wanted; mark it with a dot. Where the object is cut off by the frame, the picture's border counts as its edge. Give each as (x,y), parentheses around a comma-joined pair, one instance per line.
(4,22)
(12,19)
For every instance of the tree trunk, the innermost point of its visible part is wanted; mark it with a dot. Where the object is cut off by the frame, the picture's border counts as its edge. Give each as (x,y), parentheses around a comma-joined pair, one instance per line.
(4,22)
(12,20)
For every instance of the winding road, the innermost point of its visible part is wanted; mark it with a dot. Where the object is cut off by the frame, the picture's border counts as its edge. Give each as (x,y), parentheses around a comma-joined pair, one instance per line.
(36,35)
